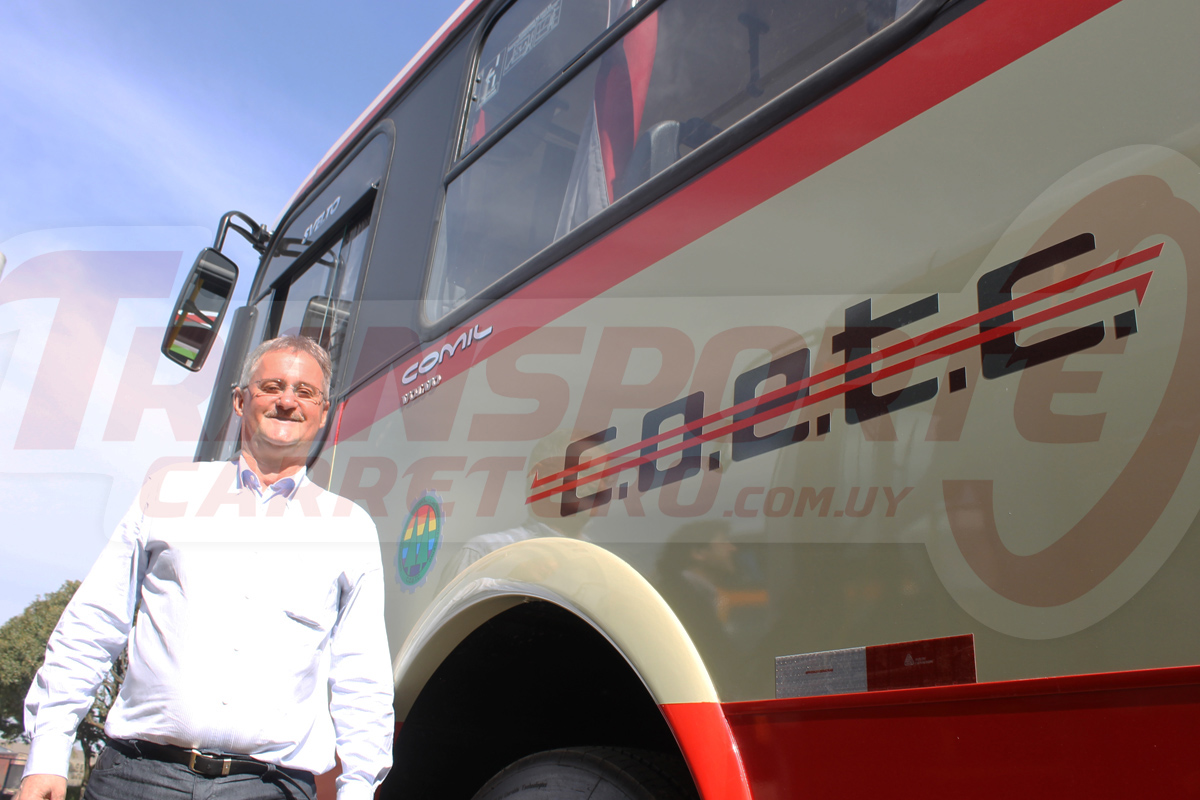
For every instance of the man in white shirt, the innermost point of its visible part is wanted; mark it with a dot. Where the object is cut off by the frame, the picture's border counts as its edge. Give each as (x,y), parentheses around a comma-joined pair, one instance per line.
(252,604)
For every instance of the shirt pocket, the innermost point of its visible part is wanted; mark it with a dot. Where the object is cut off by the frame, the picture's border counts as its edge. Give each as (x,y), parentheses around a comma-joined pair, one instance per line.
(307,621)
(310,609)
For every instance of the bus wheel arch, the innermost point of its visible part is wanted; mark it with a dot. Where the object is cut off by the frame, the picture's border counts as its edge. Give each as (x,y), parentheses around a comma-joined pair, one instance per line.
(506,664)
(533,678)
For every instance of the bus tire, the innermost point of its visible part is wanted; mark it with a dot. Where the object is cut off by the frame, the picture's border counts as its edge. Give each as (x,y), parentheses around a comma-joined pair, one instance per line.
(601,773)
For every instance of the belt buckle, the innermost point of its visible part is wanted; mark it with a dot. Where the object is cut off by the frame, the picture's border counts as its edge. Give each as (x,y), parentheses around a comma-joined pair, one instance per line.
(194,754)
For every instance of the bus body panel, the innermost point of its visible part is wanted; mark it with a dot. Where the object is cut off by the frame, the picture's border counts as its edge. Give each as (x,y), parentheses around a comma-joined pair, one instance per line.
(1116,735)
(920,362)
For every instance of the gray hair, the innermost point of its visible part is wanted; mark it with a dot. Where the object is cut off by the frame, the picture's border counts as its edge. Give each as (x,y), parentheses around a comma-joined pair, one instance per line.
(291,344)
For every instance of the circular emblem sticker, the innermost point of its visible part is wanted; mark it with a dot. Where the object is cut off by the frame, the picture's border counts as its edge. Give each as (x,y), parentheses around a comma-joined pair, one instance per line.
(420,542)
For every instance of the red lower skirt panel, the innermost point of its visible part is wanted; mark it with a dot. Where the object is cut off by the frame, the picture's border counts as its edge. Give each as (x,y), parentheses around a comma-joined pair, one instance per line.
(1128,734)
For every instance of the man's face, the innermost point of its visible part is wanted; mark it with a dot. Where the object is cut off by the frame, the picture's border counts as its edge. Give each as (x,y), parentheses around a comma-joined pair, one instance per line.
(281,424)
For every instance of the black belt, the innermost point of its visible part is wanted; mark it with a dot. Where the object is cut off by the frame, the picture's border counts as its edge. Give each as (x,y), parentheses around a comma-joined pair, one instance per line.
(209,765)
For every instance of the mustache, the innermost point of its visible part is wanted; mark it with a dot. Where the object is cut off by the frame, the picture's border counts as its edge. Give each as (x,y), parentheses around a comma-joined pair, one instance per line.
(294,416)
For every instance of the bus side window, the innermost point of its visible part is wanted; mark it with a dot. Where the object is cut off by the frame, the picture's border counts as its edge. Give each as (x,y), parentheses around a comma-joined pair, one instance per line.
(530,43)
(317,302)
(686,72)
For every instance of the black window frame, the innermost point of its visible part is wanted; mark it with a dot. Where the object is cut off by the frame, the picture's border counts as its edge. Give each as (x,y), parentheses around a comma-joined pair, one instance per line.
(539,95)
(353,216)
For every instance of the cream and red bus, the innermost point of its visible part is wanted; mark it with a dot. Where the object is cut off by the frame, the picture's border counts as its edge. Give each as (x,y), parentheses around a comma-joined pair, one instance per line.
(766,398)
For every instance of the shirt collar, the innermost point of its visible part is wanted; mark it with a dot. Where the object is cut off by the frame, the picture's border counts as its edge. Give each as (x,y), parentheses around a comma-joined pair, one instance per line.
(246,479)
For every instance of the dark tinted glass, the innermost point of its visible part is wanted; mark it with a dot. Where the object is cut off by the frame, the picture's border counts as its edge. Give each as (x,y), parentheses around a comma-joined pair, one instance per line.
(530,43)
(687,72)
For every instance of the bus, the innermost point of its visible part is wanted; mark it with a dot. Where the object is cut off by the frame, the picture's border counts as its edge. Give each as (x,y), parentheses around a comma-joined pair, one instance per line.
(765,398)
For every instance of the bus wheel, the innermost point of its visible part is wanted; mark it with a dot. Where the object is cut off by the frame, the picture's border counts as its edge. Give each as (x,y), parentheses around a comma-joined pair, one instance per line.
(611,773)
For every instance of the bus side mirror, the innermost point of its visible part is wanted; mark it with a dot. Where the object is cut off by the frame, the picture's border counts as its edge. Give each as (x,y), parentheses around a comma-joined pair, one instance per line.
(199,310)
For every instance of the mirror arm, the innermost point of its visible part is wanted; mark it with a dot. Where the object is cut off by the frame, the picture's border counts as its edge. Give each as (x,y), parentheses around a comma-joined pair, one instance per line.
(256,234)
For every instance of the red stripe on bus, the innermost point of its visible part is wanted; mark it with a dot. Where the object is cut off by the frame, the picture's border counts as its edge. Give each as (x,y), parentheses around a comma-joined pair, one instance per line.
(711,752)
(1137,285)
(931,71)
(949,329)
(1125,734)
(337,428)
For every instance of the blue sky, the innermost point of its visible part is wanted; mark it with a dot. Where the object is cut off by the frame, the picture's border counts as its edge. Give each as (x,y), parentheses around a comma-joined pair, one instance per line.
(129,128)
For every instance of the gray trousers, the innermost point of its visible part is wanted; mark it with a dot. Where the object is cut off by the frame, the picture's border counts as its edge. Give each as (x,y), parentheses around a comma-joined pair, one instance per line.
(117,776)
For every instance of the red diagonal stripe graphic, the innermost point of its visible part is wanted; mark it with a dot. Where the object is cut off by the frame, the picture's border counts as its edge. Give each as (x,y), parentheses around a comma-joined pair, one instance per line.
(1136,284)
(1063,286)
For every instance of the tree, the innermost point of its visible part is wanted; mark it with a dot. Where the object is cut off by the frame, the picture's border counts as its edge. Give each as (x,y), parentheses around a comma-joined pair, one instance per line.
(22,651)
